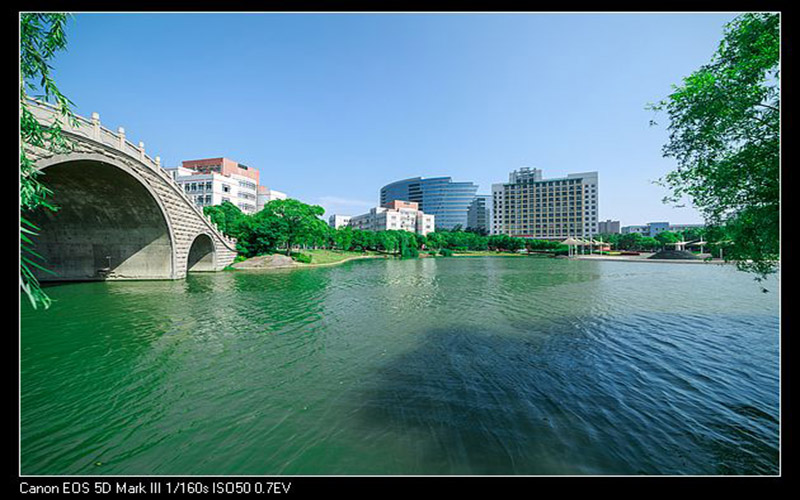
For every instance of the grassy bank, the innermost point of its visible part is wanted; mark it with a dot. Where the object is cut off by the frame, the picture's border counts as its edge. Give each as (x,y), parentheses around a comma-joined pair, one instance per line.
(325,257)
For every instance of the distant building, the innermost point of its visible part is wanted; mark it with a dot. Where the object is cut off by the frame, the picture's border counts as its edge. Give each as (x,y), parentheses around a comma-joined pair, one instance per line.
(529,206)
(479,213)
(643,230)
(336,221)
(448,201)
(266,195)
(685,227)
(653,228)
(395,215)
(213,181)
(608,227)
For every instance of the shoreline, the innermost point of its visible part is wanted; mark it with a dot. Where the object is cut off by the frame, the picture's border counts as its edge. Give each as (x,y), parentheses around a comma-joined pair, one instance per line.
(300,265)
(355,257)
(636,258)
(606,258)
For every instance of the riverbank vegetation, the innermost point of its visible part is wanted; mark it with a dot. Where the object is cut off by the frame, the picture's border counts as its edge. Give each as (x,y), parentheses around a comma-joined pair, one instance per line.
(293,228)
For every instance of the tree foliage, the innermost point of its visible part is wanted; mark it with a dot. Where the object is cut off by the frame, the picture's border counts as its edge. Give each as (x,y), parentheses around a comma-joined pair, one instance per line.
(41,36)
(293,221)
(724,133)
(288,224)
(227,217)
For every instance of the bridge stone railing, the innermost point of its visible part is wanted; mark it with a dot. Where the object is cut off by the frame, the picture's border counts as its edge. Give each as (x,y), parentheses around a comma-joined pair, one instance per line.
(92,129)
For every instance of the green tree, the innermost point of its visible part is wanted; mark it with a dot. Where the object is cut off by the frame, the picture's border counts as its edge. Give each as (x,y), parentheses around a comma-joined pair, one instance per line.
(693,234)
(41,36)
(343,238)
(227,217)
(291,220)
(408,246)
(422,241)
(387,241)
(725,135)
(666,238)
(649,243)
(259,234)
(435,240)
(630,241)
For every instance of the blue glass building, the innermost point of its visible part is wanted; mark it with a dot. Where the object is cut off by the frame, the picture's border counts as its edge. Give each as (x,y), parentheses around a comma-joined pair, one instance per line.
(448,201)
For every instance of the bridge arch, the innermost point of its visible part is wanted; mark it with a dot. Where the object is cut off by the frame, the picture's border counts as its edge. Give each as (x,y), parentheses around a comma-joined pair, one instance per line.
(110,223)
(202,255)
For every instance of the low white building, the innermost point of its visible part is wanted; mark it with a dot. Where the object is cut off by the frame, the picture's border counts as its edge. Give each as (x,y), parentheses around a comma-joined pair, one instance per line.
(214,188)
(336,221)
(395,215)
(266,195)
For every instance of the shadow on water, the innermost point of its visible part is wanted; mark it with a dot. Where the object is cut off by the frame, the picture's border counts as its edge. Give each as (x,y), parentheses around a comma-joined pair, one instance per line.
(478,402)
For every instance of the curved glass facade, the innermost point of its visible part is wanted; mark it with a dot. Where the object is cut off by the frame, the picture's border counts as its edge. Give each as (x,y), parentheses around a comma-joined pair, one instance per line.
(449,201)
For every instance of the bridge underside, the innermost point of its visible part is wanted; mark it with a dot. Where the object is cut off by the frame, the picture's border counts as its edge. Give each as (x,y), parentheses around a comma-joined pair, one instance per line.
(108,226)
(201,255)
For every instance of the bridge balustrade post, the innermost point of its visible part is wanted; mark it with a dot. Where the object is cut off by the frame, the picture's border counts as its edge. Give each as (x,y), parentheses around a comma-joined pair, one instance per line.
(158,161)
(96,126)
(121,134)
(141,151)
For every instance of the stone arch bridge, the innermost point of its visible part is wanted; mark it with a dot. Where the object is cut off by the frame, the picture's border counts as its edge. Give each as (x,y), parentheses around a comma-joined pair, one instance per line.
(120,215)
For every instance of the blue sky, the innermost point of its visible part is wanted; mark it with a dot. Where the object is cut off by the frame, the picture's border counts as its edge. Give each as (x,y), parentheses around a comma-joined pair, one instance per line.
(330,107)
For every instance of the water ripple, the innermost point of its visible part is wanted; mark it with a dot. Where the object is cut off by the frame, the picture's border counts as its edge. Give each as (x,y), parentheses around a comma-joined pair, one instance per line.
(431,366)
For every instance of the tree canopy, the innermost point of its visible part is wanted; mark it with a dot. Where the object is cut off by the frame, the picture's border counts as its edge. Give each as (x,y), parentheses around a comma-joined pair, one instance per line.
(724,133)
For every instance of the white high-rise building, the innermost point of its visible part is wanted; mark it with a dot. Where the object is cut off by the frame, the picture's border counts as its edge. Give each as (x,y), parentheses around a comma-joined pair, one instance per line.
(529,206)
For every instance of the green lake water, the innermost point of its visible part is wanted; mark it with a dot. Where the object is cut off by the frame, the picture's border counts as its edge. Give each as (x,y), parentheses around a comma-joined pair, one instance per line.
(430,366)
